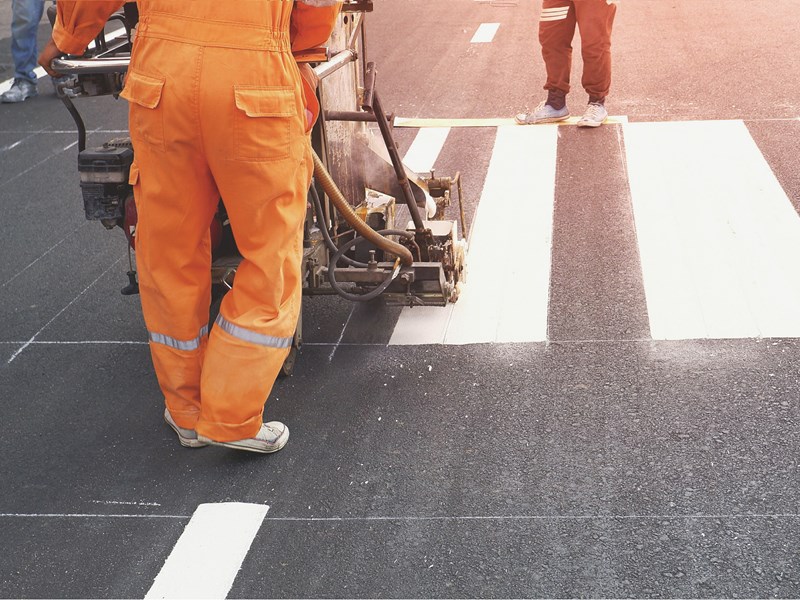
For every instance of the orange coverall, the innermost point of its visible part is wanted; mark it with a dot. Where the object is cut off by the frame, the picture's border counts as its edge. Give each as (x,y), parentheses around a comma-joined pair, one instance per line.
(217,108)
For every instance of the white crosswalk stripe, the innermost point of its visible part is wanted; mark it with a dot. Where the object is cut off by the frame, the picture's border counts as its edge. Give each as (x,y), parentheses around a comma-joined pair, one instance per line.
(717,238)
(500,302)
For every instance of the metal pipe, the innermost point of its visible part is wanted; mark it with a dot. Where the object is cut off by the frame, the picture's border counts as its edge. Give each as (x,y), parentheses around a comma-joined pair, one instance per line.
(351,44)
(339,60)
(90,66)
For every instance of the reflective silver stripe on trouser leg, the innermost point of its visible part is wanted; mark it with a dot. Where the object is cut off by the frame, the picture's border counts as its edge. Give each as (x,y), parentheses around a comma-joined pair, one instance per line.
(188,345)
(251,336)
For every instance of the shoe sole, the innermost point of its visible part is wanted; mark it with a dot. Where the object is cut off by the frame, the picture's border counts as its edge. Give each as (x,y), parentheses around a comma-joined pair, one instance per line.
(540,121)
(590,123)
(246,445)
(16,101)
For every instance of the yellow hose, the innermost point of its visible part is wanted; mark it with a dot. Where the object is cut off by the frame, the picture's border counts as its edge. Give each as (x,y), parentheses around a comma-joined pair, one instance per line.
(343,206)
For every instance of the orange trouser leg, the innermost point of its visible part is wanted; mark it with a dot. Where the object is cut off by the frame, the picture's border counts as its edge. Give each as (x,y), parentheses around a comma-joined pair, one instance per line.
(595,21)
(176,199)
(556,31)
(259,155)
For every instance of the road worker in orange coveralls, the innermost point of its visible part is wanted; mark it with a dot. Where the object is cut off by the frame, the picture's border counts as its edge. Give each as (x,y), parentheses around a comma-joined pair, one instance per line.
(217,108)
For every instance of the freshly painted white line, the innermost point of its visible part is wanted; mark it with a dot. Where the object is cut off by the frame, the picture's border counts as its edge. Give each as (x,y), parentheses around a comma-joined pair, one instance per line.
(485,33)
(718,236)
(425,149)
(504,300)
(210,552)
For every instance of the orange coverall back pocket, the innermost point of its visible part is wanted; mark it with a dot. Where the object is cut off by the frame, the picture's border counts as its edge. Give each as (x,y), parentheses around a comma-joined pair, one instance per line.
(146,118)
(262,122)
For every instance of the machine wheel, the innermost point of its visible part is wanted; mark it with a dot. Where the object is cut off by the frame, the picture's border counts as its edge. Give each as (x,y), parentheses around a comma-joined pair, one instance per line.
(288,365)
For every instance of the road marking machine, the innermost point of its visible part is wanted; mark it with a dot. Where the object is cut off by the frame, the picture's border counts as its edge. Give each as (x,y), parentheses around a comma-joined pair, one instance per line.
(373,228)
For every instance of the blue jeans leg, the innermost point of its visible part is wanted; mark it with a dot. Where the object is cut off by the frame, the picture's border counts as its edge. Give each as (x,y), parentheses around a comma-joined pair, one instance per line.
(26,15)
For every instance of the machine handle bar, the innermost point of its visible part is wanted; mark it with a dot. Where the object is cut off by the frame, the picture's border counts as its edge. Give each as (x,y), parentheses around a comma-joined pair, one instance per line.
(107,66)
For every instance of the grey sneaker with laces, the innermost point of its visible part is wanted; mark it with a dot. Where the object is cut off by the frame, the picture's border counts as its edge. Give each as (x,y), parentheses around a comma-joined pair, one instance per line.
(20,90)
(544,113)
(187,437)
(271,437)
(595,115)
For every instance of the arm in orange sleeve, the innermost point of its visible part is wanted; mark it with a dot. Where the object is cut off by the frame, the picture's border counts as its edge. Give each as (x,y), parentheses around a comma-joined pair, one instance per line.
(311,26)
(79,22)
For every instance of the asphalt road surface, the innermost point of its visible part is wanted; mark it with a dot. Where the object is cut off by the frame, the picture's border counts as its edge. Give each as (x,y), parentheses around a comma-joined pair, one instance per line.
(610,410)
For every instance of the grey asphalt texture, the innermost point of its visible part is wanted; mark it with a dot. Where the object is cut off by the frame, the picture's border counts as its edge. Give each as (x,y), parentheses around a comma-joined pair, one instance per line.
(599,464)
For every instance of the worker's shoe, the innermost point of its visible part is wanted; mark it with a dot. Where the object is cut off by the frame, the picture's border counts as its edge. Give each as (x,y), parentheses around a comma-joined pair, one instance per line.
(187,437)
(271,438)
(544,113)
(20,90)
(595,115)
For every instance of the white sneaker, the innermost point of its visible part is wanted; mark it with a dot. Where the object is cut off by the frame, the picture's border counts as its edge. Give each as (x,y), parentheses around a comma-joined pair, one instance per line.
(21,90)
(595,115)
(544,113)
(187,437)
(271,438)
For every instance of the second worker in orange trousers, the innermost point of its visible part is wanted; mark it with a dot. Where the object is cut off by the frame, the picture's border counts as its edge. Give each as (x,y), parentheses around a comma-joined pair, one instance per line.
(557,23)
(217,108)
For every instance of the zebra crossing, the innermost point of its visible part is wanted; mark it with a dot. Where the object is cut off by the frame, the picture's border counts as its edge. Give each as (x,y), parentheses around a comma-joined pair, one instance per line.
(715,234)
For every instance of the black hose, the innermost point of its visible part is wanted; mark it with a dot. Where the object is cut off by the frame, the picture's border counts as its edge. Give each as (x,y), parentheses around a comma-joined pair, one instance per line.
(317,203)
(371,295)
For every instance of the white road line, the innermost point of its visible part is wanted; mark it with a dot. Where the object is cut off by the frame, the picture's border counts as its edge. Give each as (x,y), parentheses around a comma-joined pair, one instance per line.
(210,552)
(46,252)
(341,334)
(38,164)
(421,156)
(399,518)
(504,300)
(545,517)
(718,236)
(485,33)
(85,516)
(74,300)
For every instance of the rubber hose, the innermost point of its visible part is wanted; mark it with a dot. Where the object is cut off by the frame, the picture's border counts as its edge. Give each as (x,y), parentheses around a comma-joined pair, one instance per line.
(371,295)
(324,229)
(343,206)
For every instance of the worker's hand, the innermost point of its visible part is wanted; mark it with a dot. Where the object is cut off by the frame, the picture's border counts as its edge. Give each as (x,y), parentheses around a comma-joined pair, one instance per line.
(47,55)
(309,120)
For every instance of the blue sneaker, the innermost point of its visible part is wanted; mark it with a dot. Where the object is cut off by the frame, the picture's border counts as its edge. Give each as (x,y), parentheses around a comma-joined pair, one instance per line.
(544,113)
